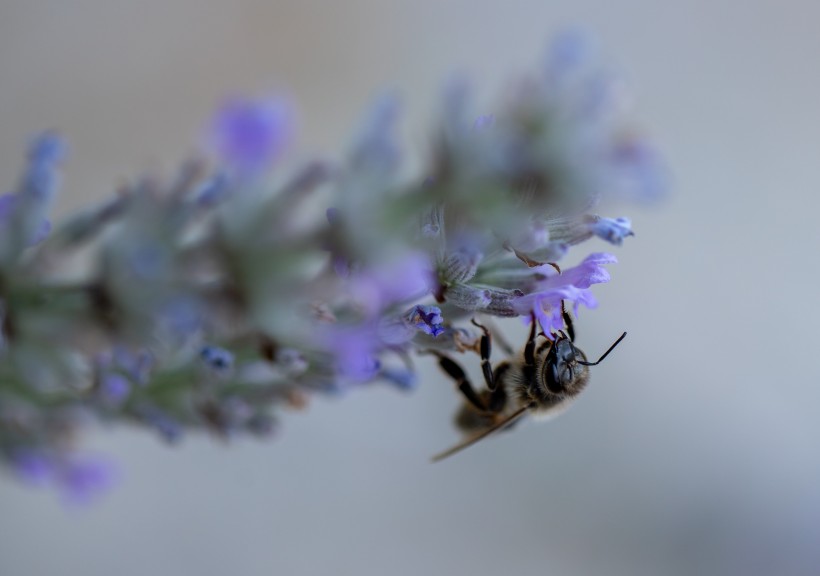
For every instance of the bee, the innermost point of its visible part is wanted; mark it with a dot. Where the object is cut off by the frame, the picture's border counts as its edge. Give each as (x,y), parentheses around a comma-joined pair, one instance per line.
(542,380)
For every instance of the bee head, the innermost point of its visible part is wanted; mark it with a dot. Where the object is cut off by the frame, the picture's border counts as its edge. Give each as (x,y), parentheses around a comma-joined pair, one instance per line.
(565,369)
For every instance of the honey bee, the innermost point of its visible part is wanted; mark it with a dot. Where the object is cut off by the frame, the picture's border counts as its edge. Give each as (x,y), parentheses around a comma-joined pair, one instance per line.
(542,380)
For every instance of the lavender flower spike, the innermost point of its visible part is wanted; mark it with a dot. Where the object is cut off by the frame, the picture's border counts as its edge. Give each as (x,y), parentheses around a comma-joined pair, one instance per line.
(221,297)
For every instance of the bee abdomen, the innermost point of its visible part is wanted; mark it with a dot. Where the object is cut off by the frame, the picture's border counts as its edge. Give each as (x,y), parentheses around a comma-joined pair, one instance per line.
(470,419)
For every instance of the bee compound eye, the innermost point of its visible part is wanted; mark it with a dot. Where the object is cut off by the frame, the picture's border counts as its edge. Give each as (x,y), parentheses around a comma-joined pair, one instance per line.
(553,376)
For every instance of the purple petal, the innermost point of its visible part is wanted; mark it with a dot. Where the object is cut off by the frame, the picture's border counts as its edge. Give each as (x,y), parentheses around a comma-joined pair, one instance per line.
(587,273)
(571,286)
(546,305)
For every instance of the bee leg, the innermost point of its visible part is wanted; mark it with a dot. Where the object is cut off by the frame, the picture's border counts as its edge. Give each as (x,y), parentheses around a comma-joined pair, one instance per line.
(529,352)
(485,348)
(498,337)
(456,372)
(568,322)
(529,349)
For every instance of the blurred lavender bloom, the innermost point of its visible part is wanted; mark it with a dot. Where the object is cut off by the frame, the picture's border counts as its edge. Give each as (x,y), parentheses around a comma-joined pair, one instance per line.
(292,361)
(376,150)
(402,379)
(32,467)
(80,478)
(355,349)
(8,204)
(569,50)
(484,121)
(213,191)
(26,222)
(114,389)
(181,315)
(41,180)
(250,135)
(170,429)
(402,278)
(639,171)
(136,365)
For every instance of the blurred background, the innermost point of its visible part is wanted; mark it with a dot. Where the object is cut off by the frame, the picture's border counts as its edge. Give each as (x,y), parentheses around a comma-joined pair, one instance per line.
(695,448)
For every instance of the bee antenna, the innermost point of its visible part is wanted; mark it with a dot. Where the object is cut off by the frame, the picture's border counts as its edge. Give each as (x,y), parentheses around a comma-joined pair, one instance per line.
(618,341)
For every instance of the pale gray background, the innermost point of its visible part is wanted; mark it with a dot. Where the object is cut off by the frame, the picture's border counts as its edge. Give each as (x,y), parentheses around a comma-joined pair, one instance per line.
(695,450)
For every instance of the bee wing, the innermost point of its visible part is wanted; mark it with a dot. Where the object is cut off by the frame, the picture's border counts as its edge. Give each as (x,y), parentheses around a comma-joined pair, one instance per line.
(483,434)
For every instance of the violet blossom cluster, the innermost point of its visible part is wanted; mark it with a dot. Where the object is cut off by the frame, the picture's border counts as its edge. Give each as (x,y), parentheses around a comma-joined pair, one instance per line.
(221,297)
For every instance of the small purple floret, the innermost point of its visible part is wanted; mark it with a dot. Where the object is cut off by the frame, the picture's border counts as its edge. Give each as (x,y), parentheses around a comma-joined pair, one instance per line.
(428,319)
(216,358)
(612,230)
